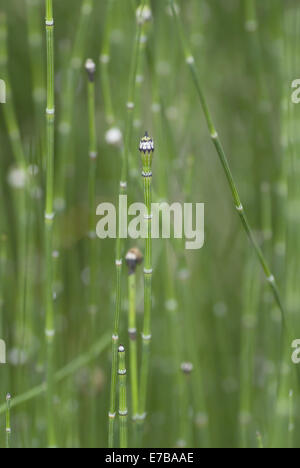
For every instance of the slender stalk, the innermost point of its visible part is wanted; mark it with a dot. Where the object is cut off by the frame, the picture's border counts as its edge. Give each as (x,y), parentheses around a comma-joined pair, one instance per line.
(8,426)
(65,123)
(91,69)
(104,60)
(49,218)
(224,161)
(133,259)
(259,440)
(146,150)
(185,423)
(35,39)
(119,242)
(123,411)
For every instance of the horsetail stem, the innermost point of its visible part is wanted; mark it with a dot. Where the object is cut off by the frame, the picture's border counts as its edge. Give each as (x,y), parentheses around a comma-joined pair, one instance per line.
(8,426)
(104,61)
(291,426)
(35,39)
(133,259)
(131,94)
(49,218)
(119,241)
(259,440)
(65,123)
(251,22)
(146,150)
(90,67)
(190,61)
(123,411)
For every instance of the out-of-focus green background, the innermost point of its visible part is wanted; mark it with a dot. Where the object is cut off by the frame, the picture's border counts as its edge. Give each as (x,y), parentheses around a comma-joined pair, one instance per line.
(224,307)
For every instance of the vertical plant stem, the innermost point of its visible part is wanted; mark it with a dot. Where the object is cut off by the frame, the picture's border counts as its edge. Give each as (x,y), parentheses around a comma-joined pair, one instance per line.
(119,242)
(146,150)
(133,345)
(123,412)
(65,123)
(190,61)
(92,246)
(8,426)
(259,440)
(49,218)
(91,69)
(35,39)
(133,259)
(104,60)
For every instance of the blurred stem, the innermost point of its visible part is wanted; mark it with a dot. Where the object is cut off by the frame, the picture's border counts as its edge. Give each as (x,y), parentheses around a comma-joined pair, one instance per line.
(123,411)
(8,426)
(105,60)
(65,124)
(49,217)
(92,191)
(133,345)
(35,39)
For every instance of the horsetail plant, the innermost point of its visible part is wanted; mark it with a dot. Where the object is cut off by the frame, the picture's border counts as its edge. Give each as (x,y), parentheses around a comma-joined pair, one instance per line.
(90,67)
(123,411)
(190,61)
(8,426)
(65,123)
(133,259)
(35,40)
(146,150)
(49,218)
(104,61)
(119,244)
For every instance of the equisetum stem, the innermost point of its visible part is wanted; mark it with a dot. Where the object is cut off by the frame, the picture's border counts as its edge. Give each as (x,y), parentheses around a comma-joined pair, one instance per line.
(259,440)
(133,259)
(49,218)
(131,95)
(146,150)
(35,39)
(91,69)
(8,426)
(123,411)
(291,428)
(104,61)
(250,23)
(119,241)
(190,61)
(65,123)
(133,345)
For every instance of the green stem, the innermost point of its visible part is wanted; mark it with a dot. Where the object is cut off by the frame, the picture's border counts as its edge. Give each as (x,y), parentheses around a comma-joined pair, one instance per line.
(224,161)
(91,69)
(123,411)
(104,60)
(119,242)
(133,345)
(146,149)
(8,426)
(49,217)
